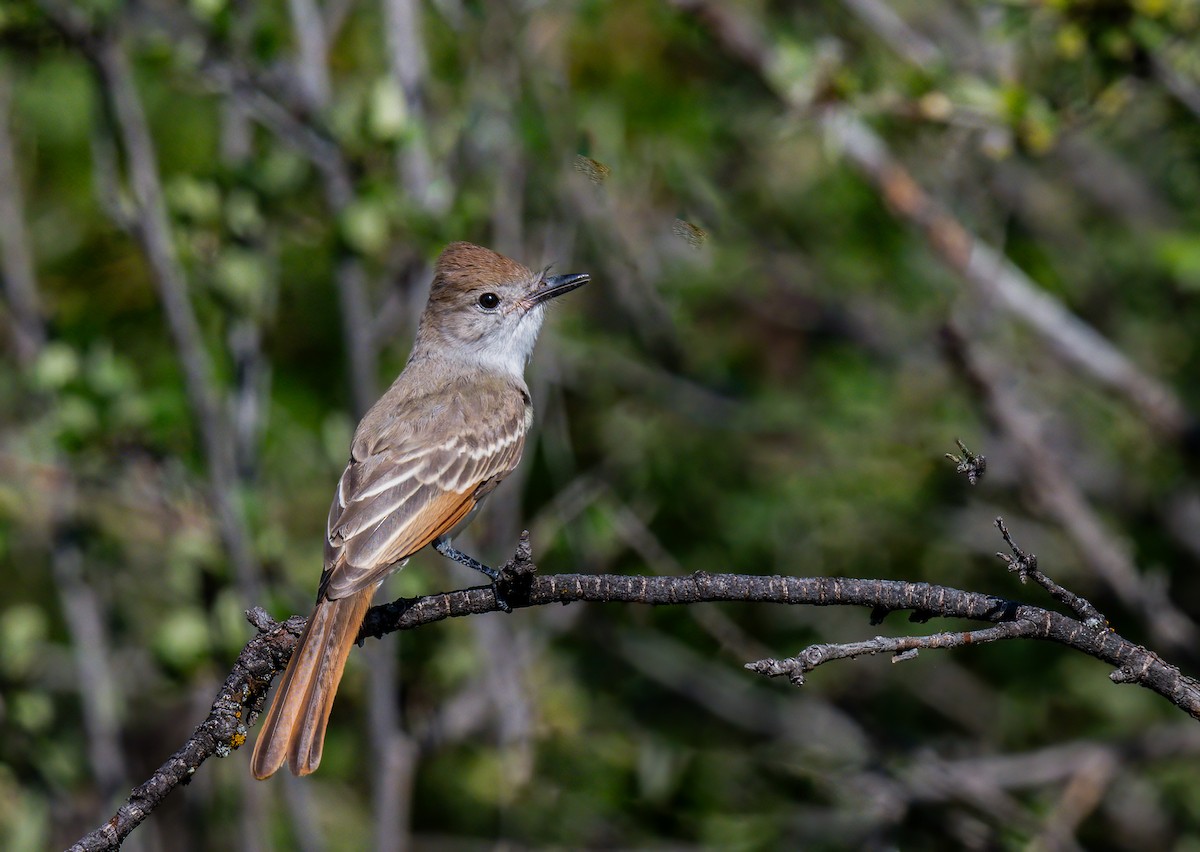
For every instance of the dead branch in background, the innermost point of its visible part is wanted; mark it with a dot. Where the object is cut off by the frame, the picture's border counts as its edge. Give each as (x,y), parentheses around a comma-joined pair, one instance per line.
(979,264)
(415,167)
(83,608)
(986,781)
(1002,281)
(16,259)
(1093,168)
(150,226)
(999,280)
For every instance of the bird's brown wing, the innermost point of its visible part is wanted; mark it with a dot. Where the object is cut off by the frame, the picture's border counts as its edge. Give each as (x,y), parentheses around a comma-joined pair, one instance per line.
(412,490)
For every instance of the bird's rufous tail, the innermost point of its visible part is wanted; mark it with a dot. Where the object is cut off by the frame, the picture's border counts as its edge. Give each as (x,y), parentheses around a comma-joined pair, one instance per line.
(294,729)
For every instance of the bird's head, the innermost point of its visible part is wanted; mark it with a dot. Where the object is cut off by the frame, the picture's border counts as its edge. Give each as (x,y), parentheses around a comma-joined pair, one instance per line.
(486,308)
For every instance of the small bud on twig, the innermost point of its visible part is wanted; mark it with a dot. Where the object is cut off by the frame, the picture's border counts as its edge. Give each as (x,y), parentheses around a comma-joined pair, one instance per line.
(972,465)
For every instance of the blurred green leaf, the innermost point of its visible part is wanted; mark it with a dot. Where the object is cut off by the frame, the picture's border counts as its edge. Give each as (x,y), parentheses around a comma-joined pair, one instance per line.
(194,199)
(32,711)
(1181,255)
(183,639)
(387,114)
(56,367)
(242,276)
(365,226)
(243,216)
(22,632)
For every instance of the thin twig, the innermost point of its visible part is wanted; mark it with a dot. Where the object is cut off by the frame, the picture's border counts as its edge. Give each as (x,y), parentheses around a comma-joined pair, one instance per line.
(811,723)
(968,463)
(902,648)
(1025,565)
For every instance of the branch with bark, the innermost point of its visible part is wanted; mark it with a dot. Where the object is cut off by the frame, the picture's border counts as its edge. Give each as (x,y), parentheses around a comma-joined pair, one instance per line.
(264,657)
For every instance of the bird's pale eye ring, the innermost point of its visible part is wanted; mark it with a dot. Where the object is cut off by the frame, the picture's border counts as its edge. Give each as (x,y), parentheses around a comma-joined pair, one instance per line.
(489,301)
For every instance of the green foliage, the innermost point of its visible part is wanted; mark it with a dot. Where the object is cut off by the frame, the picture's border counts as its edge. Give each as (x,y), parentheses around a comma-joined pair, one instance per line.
(754,381)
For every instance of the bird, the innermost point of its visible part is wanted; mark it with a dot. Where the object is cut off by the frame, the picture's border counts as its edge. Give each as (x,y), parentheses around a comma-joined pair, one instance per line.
(422,461)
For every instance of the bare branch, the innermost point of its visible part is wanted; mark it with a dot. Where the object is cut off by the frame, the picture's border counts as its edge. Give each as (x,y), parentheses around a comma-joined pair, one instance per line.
(1026,567)
(244,691)
(907,647)
(310,64)
(901,647)
(1052,488)
(223,730)
(884,21)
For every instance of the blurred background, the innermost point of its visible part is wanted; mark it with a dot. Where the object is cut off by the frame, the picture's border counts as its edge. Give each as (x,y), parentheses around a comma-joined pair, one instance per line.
(826,239)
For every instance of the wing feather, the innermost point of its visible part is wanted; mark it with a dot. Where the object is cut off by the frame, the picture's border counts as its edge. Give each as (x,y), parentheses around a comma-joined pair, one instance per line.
(367,559)
(404,490)
(365,514)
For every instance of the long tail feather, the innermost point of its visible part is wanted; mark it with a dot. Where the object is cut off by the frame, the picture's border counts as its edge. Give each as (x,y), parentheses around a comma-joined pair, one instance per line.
(294,729)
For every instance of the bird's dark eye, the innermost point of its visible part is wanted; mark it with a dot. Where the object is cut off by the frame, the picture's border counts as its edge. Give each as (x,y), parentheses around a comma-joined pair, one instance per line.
(489,301)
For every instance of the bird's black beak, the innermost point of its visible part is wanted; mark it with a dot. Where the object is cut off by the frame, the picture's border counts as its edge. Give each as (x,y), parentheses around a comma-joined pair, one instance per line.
(556,285)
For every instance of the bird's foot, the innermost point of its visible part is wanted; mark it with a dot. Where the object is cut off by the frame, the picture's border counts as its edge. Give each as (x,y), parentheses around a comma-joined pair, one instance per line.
(445,548)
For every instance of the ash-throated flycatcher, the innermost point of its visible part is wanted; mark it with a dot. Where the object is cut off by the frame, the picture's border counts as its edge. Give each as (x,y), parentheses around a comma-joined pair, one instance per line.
(423,459)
